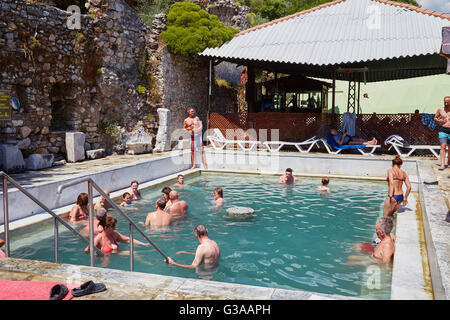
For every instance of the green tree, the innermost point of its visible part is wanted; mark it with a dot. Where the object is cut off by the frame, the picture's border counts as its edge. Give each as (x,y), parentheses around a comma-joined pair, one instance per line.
(191,30)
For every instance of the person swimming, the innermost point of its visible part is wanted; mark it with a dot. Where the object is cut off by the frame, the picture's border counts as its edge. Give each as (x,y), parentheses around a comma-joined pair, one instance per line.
(80,210)
(178,207)
(180,182)
(127,200)
(288,177)
(102,203)
(207,252)
(218,197)
(165,194)
(107,241)
(324,186)
(135,193)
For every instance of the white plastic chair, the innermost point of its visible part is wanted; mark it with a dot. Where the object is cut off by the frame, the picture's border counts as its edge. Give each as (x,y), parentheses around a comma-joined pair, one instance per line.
(311,142)
(398,143)
(218,141)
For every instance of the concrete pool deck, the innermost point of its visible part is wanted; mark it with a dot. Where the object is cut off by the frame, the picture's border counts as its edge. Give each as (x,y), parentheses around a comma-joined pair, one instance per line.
(433,197)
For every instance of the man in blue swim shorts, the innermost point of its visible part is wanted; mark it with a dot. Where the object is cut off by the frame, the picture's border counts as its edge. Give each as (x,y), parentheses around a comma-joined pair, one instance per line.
(194,126)
(442,117)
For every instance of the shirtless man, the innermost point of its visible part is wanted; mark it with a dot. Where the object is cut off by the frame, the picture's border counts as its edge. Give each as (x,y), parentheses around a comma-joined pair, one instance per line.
(178,207)
(194,126)
(102,203)
(180,182)
(158,218)
(287,178)
(218,197)
(442,117)
(207,253)
(384,250)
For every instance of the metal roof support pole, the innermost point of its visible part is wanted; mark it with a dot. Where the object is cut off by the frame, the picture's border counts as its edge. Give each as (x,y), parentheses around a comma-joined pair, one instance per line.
(359,94)
(333,99)
(250,89)
(209,93)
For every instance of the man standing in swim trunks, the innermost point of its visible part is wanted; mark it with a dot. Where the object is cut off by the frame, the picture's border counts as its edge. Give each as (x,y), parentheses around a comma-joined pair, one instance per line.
(442,117)
(207,253)
(194,126)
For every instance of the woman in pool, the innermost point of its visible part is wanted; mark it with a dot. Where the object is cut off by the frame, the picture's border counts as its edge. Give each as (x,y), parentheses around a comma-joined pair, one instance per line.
(135,194)
(324,186)
(80,210)
(107,240)
(165,192)
(396,178)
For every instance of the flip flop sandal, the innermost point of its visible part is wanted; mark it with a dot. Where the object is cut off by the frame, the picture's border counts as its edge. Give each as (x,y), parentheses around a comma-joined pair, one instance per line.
(88,287)
(58,292)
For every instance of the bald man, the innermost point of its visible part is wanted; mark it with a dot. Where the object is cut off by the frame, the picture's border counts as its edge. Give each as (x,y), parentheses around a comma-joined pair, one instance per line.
(207,252)
(102,203)
(178,207)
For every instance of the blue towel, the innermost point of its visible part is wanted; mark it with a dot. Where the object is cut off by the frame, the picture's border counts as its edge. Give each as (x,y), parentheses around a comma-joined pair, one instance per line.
(335,145)
(427,119)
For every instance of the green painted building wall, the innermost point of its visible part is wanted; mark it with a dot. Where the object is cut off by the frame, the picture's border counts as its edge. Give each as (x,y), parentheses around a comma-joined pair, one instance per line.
(399,96)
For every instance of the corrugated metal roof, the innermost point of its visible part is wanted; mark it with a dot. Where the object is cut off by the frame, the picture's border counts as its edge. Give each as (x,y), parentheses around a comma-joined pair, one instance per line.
(340,32)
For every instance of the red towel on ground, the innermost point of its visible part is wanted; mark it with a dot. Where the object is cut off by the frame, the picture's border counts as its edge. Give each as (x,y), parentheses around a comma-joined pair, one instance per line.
(30,290)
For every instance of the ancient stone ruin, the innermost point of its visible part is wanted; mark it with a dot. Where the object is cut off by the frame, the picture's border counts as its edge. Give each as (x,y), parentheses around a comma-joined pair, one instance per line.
(105,79)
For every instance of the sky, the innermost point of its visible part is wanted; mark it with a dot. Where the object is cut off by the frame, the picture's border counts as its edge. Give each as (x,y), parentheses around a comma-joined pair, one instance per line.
(436,5)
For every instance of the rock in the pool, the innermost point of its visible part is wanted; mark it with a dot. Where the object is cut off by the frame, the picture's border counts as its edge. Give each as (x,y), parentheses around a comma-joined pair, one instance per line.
(240,212)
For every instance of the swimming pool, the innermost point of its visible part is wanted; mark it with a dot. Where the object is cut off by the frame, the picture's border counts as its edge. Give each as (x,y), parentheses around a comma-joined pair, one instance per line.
(298,239)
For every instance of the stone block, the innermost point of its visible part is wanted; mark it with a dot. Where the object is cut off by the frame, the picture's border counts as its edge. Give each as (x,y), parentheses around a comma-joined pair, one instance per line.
(75,146)
(11,159)
(95,154)
(39,161)
(138,148)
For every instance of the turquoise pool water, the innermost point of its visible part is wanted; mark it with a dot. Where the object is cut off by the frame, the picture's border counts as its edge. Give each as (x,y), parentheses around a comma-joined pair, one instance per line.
(298,239)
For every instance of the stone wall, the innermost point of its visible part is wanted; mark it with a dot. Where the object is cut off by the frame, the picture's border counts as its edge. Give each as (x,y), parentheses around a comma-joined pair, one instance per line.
(71,80)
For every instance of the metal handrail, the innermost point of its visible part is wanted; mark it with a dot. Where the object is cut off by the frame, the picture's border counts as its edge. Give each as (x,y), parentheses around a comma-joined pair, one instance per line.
(91,184)
(5,179)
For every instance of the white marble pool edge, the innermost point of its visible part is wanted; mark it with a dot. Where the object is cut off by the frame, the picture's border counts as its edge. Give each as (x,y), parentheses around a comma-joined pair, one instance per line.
(405,285)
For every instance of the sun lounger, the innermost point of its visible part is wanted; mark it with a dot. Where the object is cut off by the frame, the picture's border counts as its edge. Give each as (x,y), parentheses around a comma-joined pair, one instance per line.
(331,144)
(275,146)
(398,143)
(218,142)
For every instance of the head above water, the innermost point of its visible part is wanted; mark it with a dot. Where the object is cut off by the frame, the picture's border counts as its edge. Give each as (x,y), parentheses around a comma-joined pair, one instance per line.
(447,101)
(173,195)
(165,192)
(134,184)
(180,179)
(83,199)
(288,172)
(161,203)
(325,181)
(109,223)
(200,231)
(218,191)
(126,197)
(386,226)
(106,191)
(101,213)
